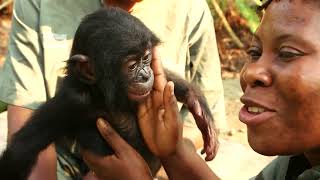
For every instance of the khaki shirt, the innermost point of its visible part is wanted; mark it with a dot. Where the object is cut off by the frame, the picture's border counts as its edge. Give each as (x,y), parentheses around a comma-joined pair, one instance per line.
(43,30)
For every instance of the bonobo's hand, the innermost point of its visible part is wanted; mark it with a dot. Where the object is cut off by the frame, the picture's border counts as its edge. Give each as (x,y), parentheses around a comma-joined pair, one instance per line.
(125,163)
(158,116)
(204,121)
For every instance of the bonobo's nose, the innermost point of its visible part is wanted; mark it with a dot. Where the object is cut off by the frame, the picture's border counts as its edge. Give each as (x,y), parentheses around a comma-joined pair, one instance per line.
(143,75)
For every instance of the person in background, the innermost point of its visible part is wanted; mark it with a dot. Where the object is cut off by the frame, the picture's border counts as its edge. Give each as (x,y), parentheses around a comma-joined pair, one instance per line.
(40,42)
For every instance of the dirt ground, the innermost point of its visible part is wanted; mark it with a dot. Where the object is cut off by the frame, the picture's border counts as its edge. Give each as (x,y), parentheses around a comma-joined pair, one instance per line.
(237,132)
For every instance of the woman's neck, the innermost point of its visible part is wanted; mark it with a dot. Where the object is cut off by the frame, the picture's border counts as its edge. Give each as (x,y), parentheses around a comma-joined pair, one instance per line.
(313,156)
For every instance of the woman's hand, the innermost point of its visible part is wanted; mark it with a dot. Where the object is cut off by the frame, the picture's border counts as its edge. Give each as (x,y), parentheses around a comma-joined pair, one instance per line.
(125,163)
(158,116)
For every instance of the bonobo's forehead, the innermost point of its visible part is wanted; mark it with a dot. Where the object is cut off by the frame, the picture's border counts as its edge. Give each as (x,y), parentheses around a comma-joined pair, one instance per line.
(113,30)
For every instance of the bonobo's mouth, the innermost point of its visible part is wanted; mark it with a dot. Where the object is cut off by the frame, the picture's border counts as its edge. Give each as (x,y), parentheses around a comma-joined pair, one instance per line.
(138,96)
(138,91)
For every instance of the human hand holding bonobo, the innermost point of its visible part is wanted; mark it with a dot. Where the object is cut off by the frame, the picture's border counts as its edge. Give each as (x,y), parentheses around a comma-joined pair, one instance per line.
(164,131)
(125,163)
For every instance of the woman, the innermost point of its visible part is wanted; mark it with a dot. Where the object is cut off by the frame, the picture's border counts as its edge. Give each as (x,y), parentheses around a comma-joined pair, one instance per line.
(281,85)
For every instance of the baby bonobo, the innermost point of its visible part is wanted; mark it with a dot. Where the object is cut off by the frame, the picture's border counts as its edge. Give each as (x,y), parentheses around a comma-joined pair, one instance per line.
(108,74)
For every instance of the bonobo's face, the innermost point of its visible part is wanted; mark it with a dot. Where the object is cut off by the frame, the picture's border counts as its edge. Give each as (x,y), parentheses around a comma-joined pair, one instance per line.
(281,81)
(137,69)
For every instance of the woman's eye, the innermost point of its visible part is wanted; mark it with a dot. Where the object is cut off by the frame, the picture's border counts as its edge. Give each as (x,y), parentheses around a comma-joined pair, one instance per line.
(287,53)
(254,53)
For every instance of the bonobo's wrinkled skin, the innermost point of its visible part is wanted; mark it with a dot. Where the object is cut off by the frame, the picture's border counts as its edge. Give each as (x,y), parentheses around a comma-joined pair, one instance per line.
(108,73)
(283,78)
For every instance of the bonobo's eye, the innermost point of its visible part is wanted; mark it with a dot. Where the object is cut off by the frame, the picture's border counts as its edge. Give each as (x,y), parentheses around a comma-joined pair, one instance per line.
(254,53)
(287,53)
(132,64)
(146,59)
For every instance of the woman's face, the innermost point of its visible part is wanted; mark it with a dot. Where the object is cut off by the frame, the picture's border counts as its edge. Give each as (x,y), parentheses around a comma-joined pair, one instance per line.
(281,81)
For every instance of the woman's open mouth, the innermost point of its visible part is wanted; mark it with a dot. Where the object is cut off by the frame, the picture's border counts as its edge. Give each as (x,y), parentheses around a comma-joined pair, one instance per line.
(253,115)
(254,112)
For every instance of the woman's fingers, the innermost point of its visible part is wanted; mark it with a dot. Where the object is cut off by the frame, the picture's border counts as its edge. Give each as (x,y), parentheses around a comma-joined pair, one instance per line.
(119,145)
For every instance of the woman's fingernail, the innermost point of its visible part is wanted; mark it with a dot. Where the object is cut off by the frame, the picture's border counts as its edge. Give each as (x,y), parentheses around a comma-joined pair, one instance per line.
(172,89)
(102,123)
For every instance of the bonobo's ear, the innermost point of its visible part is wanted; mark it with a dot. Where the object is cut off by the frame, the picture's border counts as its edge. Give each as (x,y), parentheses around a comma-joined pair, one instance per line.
(83,68)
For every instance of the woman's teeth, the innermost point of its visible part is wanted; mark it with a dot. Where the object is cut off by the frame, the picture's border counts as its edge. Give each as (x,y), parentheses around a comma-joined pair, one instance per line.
(256,109)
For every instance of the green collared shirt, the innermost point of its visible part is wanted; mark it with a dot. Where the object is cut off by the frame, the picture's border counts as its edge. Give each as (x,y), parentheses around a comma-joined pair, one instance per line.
(289,168)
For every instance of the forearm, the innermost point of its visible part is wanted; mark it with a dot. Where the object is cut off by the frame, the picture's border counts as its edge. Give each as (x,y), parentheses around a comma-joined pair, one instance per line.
(45,167)
(187,163)
(206,72)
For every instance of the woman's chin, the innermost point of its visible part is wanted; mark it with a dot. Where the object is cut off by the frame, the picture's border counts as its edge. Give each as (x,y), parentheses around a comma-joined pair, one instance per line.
(272,148)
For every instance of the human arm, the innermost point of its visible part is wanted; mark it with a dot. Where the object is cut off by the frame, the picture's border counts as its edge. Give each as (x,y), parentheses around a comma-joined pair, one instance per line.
(21,79)
(186,162)
(204,58)
(45,167)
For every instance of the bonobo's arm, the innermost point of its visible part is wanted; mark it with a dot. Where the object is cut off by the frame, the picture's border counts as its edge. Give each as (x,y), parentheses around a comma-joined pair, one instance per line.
(47,124)
(196,102)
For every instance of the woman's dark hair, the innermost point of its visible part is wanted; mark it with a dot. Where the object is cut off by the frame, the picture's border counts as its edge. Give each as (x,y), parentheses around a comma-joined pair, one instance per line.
(264,5)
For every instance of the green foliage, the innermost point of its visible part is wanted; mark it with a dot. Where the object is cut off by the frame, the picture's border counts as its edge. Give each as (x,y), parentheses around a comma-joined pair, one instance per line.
(247,11)
(222,3)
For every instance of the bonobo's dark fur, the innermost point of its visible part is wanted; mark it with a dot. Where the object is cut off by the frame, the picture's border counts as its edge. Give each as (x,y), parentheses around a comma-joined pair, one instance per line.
(106,37)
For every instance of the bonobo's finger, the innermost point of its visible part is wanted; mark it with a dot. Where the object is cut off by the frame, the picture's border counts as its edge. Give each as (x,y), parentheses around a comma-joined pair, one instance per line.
(203,123)
(119,145)
(159,75)
(195,108)
(211,145)
(210,150)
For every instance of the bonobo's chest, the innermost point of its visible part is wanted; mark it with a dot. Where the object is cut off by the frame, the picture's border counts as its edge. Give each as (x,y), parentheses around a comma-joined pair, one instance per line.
(126,125)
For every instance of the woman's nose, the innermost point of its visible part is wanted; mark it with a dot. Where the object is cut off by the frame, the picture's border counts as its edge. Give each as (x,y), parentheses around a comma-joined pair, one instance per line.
(255,74)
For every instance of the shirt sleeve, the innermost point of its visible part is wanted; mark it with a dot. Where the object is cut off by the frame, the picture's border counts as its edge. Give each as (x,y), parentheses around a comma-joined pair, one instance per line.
(21,77)
(205,68)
